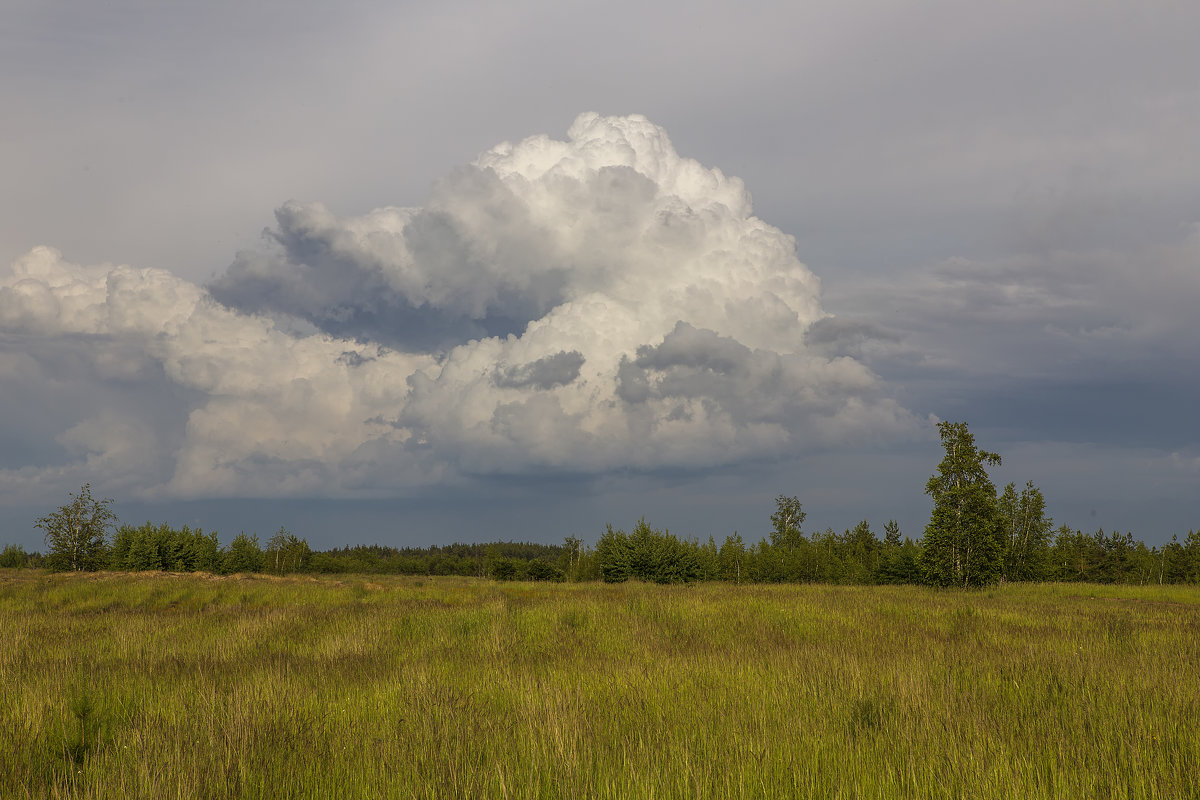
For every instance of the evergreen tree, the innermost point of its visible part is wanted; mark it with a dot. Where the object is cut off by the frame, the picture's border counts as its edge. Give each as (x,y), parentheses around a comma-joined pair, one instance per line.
(244,555)
(658,556)
(1190,572)
(895,562)
(644,551)
(828,555)
(891,534)
(613,553)
(765,563)
(205,550)
(1116,556)
(143,552)
(861,554)
(172,548)
(906,568)
(709,559)
(118,551)
(963,541)
(1072,555)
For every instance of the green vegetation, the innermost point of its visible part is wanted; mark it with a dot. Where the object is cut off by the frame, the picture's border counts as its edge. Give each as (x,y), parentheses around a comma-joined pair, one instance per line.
(963,544)
(14,557)
(855,556)
(973,539)
(190,686)
(647,665)
(77,532)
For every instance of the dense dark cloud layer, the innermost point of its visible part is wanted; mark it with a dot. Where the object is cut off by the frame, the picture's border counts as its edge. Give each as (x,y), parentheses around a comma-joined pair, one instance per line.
(651,322)
(1077,330)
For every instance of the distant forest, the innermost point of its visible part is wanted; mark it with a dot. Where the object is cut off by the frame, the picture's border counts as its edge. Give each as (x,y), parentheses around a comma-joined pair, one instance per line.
(854,556)
(975,537)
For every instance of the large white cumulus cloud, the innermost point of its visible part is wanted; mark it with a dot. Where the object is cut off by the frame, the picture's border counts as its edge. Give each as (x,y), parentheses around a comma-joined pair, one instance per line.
(612,213)
(269,412)
(579,305)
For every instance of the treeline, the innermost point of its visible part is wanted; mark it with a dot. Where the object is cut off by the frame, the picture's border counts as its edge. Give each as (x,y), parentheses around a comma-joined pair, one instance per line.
(975,536)
(502,560)
(857,555)
(162,547)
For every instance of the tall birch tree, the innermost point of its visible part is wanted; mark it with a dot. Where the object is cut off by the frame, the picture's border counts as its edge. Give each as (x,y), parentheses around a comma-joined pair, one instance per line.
(963,542)
(77,533)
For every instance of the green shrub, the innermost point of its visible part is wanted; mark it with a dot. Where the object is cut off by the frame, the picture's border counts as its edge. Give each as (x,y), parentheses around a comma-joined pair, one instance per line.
(14,556)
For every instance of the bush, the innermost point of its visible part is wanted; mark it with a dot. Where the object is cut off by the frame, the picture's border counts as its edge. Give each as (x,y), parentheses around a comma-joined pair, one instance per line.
(505,569)
(649,555)
(14,557)
(244,555)
(613,552)
(539,569)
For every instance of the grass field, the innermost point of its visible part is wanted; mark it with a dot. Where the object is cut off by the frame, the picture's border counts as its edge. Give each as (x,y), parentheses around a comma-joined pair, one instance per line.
(165,686)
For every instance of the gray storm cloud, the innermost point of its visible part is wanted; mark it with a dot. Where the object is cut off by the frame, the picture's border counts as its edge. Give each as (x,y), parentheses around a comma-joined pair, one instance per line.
(545,373)
(589,304)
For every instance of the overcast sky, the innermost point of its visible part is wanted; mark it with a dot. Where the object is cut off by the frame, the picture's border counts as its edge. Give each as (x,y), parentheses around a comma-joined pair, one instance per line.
(425,272)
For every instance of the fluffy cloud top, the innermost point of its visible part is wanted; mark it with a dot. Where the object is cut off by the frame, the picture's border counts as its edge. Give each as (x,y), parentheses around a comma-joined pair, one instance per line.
(583,305)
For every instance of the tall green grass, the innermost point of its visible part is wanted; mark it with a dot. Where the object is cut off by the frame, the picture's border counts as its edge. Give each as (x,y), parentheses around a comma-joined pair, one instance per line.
(164,686)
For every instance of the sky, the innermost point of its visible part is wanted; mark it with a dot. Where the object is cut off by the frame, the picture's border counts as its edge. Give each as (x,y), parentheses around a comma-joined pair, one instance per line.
(416,273)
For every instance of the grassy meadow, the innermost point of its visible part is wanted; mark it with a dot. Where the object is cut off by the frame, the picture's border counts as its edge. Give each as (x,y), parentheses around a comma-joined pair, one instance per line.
(192,686)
